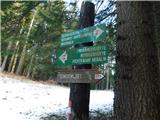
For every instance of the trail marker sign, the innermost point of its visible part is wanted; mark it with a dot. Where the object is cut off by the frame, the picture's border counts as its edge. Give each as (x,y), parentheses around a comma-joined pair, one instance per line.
(85,55)
(89,34)
(78,76)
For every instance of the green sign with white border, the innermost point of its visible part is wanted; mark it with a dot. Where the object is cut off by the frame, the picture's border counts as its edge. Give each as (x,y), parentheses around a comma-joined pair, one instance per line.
(89,34)
(85,55)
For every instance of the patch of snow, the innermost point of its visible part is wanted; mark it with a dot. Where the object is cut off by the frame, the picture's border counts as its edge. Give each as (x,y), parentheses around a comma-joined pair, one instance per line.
(29,100)
(101,100)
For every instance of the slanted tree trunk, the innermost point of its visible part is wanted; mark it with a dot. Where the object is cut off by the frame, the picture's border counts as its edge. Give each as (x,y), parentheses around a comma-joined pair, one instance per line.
(21,61)
(136,88)
(22,57)
(15,58)
(12,58)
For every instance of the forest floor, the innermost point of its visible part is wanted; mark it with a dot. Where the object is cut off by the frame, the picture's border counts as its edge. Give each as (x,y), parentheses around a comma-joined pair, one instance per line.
(24,99)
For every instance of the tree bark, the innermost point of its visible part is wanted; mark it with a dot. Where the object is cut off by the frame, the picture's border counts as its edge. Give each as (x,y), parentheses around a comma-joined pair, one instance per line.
(156,12)
(136,88)
(80,93)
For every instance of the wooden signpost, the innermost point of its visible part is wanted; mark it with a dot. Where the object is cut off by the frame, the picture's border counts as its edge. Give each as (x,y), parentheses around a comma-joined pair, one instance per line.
(82,58)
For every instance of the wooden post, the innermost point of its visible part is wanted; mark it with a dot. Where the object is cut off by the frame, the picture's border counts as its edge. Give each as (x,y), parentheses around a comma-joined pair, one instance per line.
(80,92)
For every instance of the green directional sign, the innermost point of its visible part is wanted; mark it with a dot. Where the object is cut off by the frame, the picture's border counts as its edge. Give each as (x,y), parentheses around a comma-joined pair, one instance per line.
(94,33)
(85,55)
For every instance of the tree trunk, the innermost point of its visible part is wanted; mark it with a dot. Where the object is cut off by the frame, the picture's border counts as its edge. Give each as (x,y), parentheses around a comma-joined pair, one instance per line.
(6,57)
(15,55)
(157,26)
(15,61)
(80,93)
(107,84)
(136,88)
(11,62)
(30,66)
(21,61)
(22,57)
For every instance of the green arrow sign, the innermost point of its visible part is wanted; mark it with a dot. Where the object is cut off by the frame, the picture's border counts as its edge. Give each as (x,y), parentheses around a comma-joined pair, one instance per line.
(94,33)
(85,55)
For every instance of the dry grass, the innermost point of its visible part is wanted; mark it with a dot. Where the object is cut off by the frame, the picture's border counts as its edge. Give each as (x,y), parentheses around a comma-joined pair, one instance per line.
(12,75)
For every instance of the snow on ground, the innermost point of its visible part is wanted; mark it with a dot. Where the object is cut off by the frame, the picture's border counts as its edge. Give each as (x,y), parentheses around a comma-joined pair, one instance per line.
(29,100)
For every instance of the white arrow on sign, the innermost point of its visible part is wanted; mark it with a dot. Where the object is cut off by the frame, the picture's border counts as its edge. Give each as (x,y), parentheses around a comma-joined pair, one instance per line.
(98,76)
(97,32)
(63,57)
